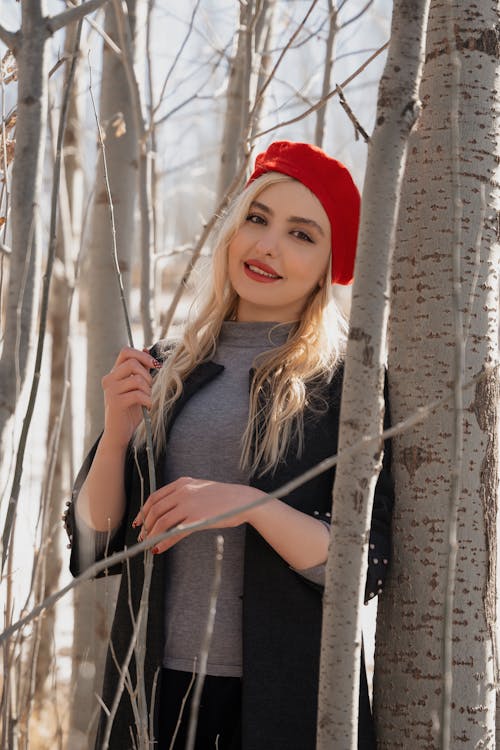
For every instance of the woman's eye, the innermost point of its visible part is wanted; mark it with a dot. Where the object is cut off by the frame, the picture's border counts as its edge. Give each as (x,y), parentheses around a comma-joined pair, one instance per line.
(302,235)
(256,219)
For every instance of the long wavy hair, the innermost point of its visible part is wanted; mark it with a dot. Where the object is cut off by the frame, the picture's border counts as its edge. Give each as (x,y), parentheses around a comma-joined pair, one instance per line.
(278,396)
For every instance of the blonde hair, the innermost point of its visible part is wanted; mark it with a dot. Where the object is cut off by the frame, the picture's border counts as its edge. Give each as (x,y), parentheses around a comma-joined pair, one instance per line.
(278,394)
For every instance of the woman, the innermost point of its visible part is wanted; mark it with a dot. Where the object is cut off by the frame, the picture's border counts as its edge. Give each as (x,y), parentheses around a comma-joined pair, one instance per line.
(224,438)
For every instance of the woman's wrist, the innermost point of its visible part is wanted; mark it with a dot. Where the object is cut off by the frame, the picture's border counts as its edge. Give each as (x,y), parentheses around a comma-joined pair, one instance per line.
(111,444)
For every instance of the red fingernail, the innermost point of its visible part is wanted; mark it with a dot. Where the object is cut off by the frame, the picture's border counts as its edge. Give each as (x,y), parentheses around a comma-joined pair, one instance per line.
(155,551)
(157,365)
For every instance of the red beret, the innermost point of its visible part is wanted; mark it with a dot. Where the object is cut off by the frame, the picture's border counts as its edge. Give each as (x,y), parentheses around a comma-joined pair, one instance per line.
(333,186)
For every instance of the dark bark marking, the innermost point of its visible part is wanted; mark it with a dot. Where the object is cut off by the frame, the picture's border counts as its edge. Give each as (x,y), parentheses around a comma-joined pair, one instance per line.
(357,334)
(485,407)
(413,457)
(486,41)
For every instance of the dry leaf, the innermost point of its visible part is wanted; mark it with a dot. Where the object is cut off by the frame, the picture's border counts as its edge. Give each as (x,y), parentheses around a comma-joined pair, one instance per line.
(2,220)
(118,124)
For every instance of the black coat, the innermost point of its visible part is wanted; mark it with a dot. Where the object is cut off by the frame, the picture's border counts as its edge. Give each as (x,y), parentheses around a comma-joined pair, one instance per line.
(281,610)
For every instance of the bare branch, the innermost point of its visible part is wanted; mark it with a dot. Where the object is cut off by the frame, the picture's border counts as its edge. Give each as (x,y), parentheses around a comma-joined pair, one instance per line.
(14,496)
(418,416)
(358,128)
(205,646)
(271,75)
(333,93)
(71,15)
(177,57)
(9,38)
(358,15)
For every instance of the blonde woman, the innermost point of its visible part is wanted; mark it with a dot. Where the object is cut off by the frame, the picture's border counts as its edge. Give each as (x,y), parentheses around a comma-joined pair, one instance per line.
(247,400)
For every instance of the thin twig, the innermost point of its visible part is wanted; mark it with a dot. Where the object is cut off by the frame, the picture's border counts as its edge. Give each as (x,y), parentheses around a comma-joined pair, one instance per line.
(323,100)
(200,244)
(205,647)
(176,58)
(350,114)
(14,496)
(270,77)
(356,17)
(148,560)
(72,15)
(418,416)
(181,709)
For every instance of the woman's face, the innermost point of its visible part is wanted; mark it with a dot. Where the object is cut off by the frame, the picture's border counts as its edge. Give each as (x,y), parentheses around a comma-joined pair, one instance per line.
(280,253)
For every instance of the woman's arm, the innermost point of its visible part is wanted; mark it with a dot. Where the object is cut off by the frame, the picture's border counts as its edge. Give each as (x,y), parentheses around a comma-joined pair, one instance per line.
(302,541)
(127,388)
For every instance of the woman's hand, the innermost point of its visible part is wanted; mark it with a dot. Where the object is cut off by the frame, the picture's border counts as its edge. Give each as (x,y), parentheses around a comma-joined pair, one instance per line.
(127,388)
(189,500)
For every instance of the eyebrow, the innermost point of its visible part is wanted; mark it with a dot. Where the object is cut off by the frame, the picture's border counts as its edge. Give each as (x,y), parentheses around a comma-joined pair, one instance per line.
(292,219)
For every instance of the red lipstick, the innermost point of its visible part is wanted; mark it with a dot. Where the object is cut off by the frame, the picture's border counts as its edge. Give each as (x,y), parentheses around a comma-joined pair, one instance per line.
(258,271)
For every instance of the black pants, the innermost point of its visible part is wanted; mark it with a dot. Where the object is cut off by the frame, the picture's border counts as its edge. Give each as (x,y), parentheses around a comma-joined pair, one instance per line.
(219,718)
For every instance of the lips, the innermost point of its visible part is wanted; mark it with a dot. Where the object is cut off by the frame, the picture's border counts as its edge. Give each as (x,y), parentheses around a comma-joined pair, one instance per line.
(259,271)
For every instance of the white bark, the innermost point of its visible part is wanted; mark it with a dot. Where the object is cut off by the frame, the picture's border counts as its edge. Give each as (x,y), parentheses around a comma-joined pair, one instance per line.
(237,100)
(69,233)
(409,667)
(24,276)
(24,273)
(319,130)
(362,401)
(106,332)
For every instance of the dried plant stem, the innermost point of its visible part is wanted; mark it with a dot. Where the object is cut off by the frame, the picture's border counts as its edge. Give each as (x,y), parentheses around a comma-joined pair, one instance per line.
(321,102)
(140,641)
(16,485)
(200,245)
(207,639)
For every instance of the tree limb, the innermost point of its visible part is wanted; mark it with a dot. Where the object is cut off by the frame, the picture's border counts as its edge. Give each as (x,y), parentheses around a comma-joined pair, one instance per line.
(323,100)
(71,15)
(419,415)
(9,38)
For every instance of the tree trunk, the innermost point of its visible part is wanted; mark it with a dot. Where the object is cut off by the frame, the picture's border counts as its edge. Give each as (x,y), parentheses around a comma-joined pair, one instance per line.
(24,272)
(319,131)
(69,237)
(237,101)
(106,334)
(409,666)
(263,38)
(362,398)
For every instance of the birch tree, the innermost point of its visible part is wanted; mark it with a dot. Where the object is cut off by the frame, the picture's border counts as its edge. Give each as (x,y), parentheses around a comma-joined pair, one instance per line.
(449,213)
(29,44)
(105,329)
(106,334)
(69,234)
(362,398)
(237,99)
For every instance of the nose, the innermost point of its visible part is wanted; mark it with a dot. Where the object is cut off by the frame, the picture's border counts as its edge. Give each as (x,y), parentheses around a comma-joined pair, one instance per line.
(267,244)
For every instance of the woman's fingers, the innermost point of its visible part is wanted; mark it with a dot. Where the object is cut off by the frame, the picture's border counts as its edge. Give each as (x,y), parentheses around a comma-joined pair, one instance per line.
(128,353)
(132,382)
(126,370)
(164,496)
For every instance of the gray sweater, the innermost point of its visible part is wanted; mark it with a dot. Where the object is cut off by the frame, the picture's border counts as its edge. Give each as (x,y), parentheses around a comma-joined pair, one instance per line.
(205,443)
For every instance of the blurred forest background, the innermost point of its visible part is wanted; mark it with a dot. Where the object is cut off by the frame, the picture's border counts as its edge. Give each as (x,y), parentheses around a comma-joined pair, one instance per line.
(180,97)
